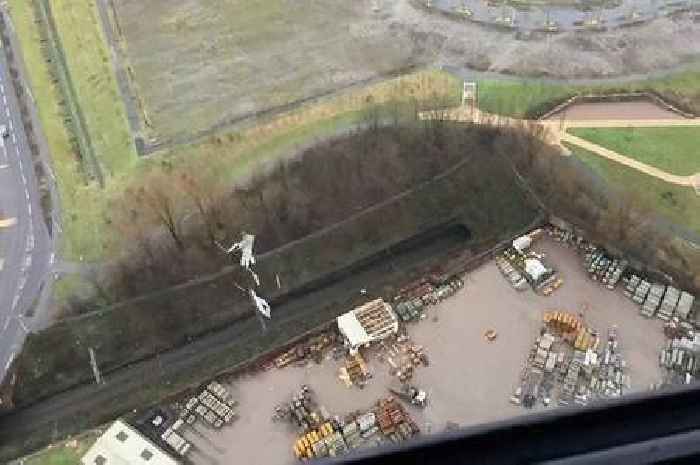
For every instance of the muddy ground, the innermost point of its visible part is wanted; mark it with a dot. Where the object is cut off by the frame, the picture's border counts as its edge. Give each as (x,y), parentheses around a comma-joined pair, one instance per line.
(469,380)
(201,63)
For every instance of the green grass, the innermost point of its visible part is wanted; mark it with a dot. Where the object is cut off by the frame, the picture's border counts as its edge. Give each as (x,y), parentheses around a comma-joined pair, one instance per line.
(90,66)
(673,149)
(64,453)
(531,97)
(678,204)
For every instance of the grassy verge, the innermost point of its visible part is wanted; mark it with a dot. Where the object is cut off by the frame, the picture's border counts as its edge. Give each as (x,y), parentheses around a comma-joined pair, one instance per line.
(670,149)
(65,453)
(531,98)
(89,62)
(678,204)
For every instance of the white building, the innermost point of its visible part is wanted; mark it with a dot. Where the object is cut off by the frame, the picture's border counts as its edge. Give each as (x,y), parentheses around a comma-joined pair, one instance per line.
(123,445)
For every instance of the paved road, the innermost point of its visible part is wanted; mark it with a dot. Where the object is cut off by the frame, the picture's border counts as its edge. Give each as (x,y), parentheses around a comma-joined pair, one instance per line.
(26,248)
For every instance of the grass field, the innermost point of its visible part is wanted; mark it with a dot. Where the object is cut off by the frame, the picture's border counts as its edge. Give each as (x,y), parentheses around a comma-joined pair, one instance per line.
(531,98)
(678,204)
(196,64)
(674,150)
(64,453)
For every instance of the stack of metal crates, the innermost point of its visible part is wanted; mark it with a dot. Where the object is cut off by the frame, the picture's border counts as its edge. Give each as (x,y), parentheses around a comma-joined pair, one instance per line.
(653,300)
(669,303)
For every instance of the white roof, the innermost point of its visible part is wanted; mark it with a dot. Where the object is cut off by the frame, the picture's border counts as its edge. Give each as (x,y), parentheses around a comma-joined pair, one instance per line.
(123,445)
(534,268)
(352,329)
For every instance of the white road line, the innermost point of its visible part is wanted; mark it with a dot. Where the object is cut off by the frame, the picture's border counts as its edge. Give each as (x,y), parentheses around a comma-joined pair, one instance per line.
(2,167)
(14,139)
(2,88)
(4,99)
(7,112)
(7,323)
(9,361)
(11,125)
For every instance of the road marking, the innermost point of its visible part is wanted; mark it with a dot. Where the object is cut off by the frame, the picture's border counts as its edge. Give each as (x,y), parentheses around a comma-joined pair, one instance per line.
(7,112)
(9,361)
(4,99)
(7,323)
(2,167)
(14,139)
(2,88)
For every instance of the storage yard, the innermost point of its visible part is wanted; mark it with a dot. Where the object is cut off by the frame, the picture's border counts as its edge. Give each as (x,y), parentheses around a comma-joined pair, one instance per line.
(552,320)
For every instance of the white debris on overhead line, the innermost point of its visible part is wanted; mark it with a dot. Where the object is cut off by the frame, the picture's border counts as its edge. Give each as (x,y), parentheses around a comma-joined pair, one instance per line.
(261,304)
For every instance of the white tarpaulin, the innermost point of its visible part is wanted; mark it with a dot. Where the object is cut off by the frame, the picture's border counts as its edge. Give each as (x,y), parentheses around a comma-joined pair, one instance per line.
(261,304)
(534,268)
(352,330)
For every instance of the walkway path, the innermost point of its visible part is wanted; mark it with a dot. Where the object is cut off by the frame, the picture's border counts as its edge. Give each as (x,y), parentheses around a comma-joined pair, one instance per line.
(556,133)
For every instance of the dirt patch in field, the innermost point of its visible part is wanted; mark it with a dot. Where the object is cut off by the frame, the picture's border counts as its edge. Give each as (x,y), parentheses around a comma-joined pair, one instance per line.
(601,111)
(201,64)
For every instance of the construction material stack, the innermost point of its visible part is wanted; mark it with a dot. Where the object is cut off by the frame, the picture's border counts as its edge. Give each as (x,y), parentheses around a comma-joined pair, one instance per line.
(685,306)
(653,300)
(669,303)
(214,404)
(394,422)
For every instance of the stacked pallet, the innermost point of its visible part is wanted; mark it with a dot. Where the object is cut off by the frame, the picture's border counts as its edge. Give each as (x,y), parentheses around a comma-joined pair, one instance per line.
(393,421)
(377,318)
(653,300)
(669,303)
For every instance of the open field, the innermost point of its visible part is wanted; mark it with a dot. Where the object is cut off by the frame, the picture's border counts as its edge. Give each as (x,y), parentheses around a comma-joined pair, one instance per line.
(216,64)
(469,380)
(674,150)
(678,204)
(199,64)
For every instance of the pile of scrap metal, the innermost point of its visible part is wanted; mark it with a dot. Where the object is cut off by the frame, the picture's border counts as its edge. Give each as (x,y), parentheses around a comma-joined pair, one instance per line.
(595,375)
(403,356)
(657,299)
(412,300)
(604,269)
(565,233)
(326,441)
(311,349)
(679,357)
(541,362)
(394,422)
(355,371)
(214,404)
(387,420)
(301,410)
